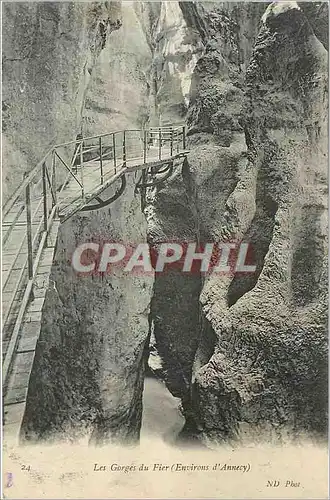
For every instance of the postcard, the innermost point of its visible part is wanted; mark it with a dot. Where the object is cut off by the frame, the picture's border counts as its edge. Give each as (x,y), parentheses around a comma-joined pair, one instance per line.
(164,249)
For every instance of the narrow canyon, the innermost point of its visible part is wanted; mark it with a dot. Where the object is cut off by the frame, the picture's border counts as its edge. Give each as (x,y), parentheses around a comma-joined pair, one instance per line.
(193,357)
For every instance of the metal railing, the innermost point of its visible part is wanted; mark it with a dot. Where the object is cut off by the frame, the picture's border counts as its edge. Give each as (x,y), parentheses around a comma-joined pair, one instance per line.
(27,220)
(28,215)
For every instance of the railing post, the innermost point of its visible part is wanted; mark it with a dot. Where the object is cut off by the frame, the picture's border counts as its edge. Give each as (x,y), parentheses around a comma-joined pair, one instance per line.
(81,169)
(44,193)
(171,144)
(101,160)
(124,148)
(114,151)
(54,202)
(184,138)
(177,141)
(144,146)
(29,231)
(160,144)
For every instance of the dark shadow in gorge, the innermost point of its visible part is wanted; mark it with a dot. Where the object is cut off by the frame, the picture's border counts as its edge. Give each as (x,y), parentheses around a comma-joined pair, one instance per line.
(175,313)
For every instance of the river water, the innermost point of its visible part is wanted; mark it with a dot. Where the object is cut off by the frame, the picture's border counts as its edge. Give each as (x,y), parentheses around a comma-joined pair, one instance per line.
(161,417)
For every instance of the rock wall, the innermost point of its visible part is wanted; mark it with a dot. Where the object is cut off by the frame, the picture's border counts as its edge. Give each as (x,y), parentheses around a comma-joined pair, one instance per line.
(144,74)
(88,371)
(177,46)
(119,95)
(270,358)
(257,170)
(49,53)
(175,312)
(193,206)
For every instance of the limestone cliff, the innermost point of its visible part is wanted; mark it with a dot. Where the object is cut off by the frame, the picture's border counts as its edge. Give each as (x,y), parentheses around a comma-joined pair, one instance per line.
(257,171)
(144,74)
(284,314)
(118,96)
(246,354)
(49,53)
(270,356)
(89,367)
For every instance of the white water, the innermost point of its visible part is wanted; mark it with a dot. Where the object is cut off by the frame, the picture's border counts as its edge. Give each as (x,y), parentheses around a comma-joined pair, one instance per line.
(161,416)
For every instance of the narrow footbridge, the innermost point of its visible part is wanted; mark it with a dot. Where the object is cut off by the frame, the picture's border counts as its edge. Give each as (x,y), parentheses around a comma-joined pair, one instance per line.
(72,177)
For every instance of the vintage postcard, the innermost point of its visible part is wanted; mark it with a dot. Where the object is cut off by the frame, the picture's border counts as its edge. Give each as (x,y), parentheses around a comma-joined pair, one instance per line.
(164,249)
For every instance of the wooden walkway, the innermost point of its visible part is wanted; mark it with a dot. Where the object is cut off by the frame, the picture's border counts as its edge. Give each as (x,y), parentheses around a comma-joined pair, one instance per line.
(69,178)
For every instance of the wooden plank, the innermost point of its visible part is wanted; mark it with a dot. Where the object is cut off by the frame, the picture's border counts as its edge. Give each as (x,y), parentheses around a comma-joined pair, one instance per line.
(15,264)
(47,259)
(12,200)
(156,163)
(16,395)
(46,254)
(7,257)
(14,306)
(22,363)
(38,291)
(4,345)
(6,296)
(28,344)
(35,305)
(28,331)
(18,382)
(14,413)
(43,270)
(33,316)
(20,315)
(12,431)
(10,285)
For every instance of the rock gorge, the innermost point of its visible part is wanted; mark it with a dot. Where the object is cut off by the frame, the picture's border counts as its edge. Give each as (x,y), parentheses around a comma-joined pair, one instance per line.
(247,354)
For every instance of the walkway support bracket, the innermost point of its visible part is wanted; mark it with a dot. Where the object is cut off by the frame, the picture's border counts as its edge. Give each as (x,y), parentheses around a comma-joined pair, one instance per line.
(105,203)
(143,180)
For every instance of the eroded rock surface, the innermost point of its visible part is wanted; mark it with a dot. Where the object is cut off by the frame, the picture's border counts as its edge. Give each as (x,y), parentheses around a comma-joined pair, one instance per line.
(175,312)
(247,354)
(88,371)
(257,133)
(270,360)
(49,53)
